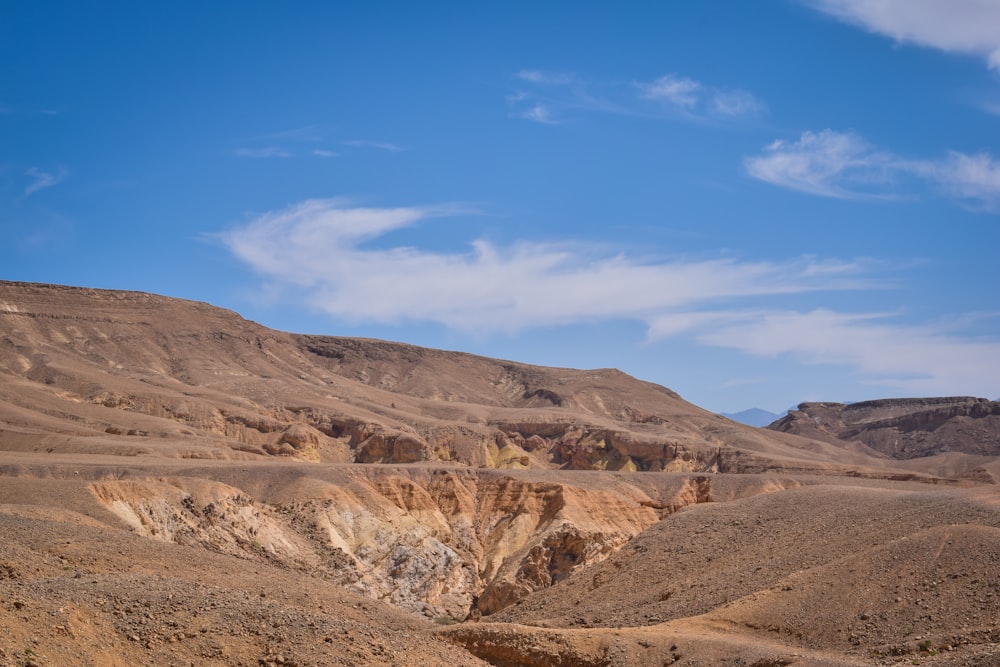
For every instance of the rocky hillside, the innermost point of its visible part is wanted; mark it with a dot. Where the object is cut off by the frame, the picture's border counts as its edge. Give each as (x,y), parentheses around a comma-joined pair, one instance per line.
(904,428)
(181,486)
(129,373)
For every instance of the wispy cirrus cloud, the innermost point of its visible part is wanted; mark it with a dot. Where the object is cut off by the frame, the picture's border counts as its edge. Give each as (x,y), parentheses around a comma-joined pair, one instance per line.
(955,26)
(549,97)
(23,111)
(970,178)
(305,133)
(41,180)
(921,359)
(843,165)
(827,163)
(328,252)
(263,152)
(700,99)
(736,103)
(541,77)
(320,246)
(294,142)
(673,89)
(540,114)
(379,145)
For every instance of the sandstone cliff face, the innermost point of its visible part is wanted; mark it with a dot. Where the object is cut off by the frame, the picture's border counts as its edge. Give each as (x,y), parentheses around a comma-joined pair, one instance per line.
(438,542)
(903,428)
(445,543)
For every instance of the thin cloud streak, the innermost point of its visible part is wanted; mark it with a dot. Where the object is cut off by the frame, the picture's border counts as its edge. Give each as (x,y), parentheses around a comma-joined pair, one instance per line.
(265,152)
(545,78)
(328,252)
(672,89)
(381,145)
(42,180)
(700,101)
(540,114)
(920,359)
(827,163)
(974,178)
(842,165)
(735,103)
(553,95)
(319,246)
(306,133)
(955,26)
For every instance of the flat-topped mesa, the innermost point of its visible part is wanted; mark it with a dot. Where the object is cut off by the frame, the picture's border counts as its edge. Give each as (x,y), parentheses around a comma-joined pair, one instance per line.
(903,428)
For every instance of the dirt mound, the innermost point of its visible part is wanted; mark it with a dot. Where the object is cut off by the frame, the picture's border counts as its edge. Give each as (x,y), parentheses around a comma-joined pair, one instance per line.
(712,556)
(930,592)
(86,595)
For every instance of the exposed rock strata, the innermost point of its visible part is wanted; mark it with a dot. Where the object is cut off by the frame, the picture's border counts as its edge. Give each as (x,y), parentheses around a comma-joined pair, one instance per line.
(125,372)
(442,543)
(903,428)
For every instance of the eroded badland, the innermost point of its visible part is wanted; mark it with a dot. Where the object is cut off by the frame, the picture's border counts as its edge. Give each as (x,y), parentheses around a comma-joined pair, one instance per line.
(181,486)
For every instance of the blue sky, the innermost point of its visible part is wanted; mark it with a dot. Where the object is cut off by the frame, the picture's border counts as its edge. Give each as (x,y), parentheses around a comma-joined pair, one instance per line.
(754,204)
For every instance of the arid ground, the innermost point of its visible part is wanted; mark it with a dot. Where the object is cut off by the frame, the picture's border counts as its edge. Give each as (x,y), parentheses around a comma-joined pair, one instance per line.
(181,486)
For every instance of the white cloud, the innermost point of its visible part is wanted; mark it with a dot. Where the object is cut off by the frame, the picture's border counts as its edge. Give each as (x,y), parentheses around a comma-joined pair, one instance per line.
(320,152)
(973,178)
(380,145)
(319,246)
(334,255)
(736,103)
(697,98)
(919,359)
(540,114)
(541,77)
(841,164)
(42,180)
(265,152)
(827,163)
(677,90)
(544,96)
(956,26)
(306,133)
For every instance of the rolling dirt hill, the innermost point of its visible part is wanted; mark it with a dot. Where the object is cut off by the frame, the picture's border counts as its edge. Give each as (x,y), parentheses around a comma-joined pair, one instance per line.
(179,485)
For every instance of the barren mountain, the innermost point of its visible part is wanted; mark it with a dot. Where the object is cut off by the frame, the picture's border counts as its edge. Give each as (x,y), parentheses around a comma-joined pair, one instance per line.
(179,485)
(904,428)
(119,372)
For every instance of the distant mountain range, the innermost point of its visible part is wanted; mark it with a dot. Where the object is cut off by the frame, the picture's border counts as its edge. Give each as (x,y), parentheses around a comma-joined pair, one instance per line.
(753,417)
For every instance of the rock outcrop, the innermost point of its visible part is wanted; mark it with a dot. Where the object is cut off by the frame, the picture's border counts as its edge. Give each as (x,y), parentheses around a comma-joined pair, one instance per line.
(441,543)
(903,428)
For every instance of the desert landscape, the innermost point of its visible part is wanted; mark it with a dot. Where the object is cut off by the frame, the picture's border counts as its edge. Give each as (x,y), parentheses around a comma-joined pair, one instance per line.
(181,486)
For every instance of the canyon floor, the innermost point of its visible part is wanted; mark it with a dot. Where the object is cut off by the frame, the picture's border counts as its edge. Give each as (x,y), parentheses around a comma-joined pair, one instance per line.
(181,486)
